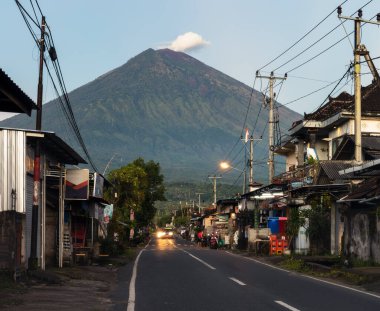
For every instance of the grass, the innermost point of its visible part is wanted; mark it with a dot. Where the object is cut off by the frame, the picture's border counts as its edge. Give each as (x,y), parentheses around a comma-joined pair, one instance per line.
(299,265)
(294,264)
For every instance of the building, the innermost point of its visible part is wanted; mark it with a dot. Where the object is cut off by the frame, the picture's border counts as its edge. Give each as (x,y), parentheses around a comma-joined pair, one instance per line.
(319,147)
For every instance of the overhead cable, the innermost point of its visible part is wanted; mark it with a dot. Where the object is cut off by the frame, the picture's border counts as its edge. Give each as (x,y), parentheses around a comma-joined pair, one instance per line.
(325,50)
(303,37)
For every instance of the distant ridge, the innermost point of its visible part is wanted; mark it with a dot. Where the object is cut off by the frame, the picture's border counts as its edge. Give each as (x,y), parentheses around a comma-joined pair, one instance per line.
(164,106)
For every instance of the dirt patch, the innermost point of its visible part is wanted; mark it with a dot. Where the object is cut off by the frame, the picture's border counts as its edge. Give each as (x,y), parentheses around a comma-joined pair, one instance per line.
(71,288)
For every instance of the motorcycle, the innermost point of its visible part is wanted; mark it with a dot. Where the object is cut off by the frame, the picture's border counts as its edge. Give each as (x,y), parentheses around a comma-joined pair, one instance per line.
(213,242)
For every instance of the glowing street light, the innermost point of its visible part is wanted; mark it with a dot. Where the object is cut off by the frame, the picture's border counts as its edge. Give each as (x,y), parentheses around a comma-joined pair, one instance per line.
(226,166)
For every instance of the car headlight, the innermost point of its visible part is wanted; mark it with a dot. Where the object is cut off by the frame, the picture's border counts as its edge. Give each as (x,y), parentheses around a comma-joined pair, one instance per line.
(160,234)
(170,233)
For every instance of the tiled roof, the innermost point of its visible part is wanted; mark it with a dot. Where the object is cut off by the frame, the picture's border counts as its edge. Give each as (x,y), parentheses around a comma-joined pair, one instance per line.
(367,189)
(345,101)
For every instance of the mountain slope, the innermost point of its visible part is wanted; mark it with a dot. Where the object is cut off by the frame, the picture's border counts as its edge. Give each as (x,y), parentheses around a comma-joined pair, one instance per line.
(165,106)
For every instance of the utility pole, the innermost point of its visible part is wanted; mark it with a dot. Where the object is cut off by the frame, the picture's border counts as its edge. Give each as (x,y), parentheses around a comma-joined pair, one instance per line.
(250,181)
(33,259)
(272,80)
(214,181)
(358,51)
(199,201)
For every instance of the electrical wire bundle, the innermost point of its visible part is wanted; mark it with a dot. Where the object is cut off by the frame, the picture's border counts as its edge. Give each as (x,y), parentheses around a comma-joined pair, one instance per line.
(62,94)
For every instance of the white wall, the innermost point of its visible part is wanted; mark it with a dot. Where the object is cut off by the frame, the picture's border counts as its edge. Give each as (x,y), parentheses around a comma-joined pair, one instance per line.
(291,159)
(12,169)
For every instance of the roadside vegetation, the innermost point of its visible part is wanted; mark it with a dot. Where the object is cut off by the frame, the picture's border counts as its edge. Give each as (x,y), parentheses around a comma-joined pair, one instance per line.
(330,267)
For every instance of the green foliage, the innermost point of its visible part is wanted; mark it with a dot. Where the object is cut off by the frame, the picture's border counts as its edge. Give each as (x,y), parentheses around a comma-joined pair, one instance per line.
(295,264)
(110,247)
(318,229)
(311,160)
(296,220)
(155,191)
(162,221)
(138,185)
(181,221)
(186,191)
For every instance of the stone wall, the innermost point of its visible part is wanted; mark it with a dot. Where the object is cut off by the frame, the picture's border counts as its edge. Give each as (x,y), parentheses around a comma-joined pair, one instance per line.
(362,234)
(8,241)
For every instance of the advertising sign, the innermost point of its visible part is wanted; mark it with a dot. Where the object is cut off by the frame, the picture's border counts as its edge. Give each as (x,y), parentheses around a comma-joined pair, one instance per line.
(77,184)
(107,213)
(98,186)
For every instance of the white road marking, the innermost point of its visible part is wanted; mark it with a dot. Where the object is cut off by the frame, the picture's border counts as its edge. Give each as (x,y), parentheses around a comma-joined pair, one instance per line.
(147,244)
(310,277)
(132,285)
(200,260)
(286,305)
(259,262)
(339,285)
(237,281)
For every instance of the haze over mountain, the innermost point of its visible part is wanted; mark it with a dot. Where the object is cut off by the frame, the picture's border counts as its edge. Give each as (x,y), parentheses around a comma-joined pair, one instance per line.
(164,106)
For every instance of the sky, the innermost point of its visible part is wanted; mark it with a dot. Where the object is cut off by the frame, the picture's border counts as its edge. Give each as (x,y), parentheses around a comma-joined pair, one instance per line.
(236,37)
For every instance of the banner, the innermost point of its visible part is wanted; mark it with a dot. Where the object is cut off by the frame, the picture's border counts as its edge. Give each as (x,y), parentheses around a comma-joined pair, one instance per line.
(107,213)
(77,184)
(98,186)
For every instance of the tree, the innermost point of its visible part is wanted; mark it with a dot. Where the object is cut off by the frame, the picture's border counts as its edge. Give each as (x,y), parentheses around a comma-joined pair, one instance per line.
(155,191)
(319,223)
(130,183)
(296,220)
(163,220)
(138,185)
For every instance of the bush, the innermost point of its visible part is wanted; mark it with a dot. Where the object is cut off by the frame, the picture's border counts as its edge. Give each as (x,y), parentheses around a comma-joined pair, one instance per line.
(110,247)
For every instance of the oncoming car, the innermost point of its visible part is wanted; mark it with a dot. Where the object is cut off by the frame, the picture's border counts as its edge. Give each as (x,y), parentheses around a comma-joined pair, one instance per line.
(165,233)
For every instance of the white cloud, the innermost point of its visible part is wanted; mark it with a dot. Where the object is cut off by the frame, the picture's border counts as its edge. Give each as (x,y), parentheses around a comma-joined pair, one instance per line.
(187,42)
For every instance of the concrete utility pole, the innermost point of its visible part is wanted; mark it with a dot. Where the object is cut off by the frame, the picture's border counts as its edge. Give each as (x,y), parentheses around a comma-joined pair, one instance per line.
(250,181)
(250,163)
(33,259)
(272,80)
(199,201)
(359,50)
(214,180)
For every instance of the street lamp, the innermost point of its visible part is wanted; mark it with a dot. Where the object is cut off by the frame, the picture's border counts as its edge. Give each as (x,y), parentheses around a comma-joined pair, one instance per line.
(224,165)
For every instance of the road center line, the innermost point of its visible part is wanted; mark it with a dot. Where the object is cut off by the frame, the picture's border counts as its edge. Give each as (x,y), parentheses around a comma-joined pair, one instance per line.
(132,285)
(237,281)
(200,260)
(286,305)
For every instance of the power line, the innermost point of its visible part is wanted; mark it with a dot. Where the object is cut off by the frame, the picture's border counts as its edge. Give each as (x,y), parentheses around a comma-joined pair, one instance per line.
(308,94)
(303,37)
(332,91)
(325,50)
(66,109)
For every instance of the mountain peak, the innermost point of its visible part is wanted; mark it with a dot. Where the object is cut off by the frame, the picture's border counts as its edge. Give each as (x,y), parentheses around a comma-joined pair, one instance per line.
(164,106)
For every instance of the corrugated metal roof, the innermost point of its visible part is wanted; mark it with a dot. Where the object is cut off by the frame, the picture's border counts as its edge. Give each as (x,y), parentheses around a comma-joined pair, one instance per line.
(331,168)
(54,144)
(12,98)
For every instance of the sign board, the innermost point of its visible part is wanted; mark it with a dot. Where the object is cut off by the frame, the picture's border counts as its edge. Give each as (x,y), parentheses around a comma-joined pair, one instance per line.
(98,186)
(107,213)
(77,184)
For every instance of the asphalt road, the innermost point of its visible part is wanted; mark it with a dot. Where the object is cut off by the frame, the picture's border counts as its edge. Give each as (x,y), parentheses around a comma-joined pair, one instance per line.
(173,274)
